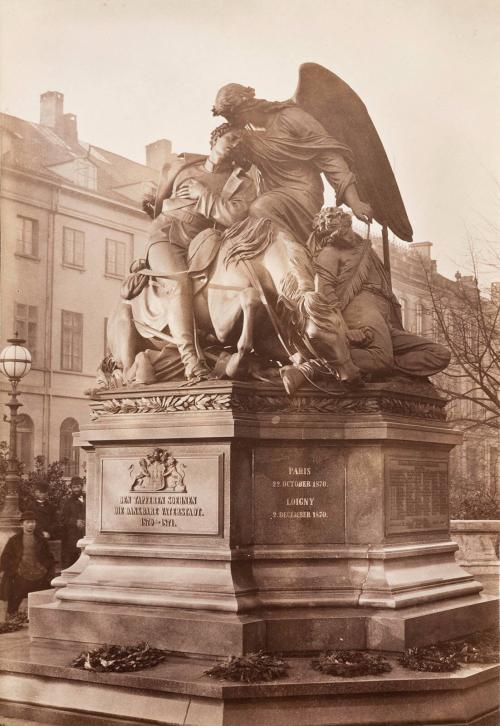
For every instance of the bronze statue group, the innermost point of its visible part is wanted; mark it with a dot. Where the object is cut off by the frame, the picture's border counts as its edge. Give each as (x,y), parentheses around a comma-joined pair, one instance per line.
(246,276)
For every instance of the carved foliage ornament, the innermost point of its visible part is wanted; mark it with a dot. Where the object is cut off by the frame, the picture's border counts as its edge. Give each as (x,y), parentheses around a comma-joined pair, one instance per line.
(269,403)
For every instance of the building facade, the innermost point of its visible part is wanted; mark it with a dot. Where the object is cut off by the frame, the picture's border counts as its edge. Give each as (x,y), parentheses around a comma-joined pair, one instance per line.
(475,464)
(71,224)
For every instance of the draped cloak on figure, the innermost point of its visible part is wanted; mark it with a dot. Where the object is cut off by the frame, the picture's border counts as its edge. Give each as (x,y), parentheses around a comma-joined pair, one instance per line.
(324,128)
(290,154)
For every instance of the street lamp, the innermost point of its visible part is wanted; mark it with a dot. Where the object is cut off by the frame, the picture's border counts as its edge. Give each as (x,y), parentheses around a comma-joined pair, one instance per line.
(15,363)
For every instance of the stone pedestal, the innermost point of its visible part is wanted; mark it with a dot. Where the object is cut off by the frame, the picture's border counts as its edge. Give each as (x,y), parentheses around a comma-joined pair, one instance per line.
(288,524)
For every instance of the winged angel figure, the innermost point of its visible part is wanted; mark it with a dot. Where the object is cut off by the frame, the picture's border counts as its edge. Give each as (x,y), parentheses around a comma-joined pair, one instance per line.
(324,128)
(258,273)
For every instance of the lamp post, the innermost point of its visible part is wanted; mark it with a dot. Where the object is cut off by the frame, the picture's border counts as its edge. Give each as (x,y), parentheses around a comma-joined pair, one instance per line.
(15,363)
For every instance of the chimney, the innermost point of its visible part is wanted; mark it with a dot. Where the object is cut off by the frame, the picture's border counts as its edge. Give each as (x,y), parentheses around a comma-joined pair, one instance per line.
(69,128)
(422,248)
(495,293)
(51,115)
(159,153)
(51,110)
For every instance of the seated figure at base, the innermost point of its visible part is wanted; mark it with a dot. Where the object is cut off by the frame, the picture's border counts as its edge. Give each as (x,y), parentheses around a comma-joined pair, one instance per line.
(352,276)
(193,195)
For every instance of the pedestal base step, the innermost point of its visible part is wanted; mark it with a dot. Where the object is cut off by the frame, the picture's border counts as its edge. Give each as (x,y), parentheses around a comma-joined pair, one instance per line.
(37,684)
(296,630)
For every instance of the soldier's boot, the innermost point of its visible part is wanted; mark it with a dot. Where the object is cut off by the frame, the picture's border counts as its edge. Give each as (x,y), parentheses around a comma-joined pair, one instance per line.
(181,326)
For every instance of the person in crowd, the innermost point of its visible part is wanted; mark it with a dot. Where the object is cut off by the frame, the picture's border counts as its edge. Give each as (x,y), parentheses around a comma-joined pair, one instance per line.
(45,511)
(72,522)
(26,562)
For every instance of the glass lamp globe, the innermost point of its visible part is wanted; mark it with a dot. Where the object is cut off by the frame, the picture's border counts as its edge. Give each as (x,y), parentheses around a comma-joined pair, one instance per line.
(15,360)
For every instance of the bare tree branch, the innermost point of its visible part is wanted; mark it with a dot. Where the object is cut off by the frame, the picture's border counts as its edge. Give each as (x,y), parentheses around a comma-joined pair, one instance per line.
(467,322)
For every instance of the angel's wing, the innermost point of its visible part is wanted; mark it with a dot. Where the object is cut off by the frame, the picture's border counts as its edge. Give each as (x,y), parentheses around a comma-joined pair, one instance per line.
(342,113)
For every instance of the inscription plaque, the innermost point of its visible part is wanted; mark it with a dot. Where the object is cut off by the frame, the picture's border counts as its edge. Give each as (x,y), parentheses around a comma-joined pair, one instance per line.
(417,495)
(148,495)
(298,495)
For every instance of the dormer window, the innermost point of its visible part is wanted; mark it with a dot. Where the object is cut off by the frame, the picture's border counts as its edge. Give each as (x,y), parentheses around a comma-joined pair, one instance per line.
(79,171)
(85,174)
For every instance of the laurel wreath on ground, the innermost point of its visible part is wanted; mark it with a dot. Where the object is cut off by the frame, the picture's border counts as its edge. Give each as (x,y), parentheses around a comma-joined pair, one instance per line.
(12,624)
(250,668)
(349,663)
(481,647)
(119,658)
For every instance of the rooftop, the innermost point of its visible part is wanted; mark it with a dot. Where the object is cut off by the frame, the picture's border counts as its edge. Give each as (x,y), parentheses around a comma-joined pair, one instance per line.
(53,150)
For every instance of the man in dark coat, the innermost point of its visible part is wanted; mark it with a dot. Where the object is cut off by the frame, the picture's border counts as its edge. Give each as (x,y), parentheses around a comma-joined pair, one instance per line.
(45,511)
(73,522)
(26,562)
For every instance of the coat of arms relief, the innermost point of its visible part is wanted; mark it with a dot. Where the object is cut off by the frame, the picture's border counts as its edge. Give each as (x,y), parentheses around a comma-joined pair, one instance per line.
(158,472)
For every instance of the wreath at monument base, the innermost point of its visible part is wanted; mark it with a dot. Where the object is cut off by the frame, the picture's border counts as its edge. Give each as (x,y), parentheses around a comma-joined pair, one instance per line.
(250,668)
(481,647)
(349,663)
(14,623)
(119,658)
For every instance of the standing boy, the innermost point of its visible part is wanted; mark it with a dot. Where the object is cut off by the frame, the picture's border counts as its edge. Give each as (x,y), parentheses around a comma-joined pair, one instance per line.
(26,562)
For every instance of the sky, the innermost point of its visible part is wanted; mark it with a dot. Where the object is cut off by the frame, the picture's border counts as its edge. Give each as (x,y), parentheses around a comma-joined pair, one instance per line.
(134,71)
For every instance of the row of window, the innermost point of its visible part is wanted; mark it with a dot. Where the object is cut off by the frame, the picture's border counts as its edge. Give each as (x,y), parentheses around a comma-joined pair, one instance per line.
(26,326)
(73,249)
(68,454)
(71,341)
(431,322)
(426,321)
(419,317)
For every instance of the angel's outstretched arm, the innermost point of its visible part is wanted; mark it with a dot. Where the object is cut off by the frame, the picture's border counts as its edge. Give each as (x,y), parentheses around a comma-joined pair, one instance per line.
(342,179)
(342,113)
(333,163)
(361,210)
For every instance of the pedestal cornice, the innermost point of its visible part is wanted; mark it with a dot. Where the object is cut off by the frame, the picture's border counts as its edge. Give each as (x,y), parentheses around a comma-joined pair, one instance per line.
(232,409)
